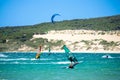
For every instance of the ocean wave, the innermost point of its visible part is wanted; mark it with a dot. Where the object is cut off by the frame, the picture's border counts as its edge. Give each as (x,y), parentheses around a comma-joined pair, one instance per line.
(17,62)
(108,56)
(17,59)
(2,55)
(22,59)
(64,62)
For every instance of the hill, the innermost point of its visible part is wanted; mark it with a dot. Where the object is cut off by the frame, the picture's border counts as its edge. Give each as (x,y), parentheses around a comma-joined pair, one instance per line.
(15,37)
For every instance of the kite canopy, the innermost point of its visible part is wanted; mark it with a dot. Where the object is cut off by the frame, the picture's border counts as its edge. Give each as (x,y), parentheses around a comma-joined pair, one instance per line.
(66,49)
(53,16)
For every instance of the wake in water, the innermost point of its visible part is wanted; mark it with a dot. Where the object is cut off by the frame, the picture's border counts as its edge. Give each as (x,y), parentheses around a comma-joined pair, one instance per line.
(108,56)
(8,60)
(23,59)
(3,55)
(51,62)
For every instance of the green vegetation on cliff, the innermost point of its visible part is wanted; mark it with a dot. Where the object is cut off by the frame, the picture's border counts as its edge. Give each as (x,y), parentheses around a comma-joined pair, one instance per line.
(12,37)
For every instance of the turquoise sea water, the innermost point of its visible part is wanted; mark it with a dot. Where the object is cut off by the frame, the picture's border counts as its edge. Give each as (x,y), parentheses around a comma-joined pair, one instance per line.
(24,66)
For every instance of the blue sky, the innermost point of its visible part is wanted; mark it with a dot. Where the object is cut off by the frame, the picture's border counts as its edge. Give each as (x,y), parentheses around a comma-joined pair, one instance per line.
(30,12)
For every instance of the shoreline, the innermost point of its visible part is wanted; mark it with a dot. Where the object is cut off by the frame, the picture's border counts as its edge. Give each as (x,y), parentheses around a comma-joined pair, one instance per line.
(78,52)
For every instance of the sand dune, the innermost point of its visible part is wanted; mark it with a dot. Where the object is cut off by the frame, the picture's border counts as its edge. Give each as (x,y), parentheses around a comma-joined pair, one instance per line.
(70,37)
(78,35)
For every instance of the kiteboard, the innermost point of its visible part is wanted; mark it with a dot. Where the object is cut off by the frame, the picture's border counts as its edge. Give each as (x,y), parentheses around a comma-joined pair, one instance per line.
(70,66)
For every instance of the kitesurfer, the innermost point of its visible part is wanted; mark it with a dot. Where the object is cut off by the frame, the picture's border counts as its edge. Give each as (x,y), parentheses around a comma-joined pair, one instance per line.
(38,52)
(73,61)
(71,58)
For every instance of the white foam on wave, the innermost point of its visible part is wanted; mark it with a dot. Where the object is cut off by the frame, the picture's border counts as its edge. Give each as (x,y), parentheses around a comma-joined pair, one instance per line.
(16,62)
(13,59)
(64,62)
(32,59)
(23,59)
(3,79)
(17,59)
(35,63)
(43,59)
(107,56)
(25,63)
(2,55)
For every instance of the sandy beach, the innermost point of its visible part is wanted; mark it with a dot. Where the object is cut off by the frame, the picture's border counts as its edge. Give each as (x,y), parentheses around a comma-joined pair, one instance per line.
(78,35)
(74,40)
